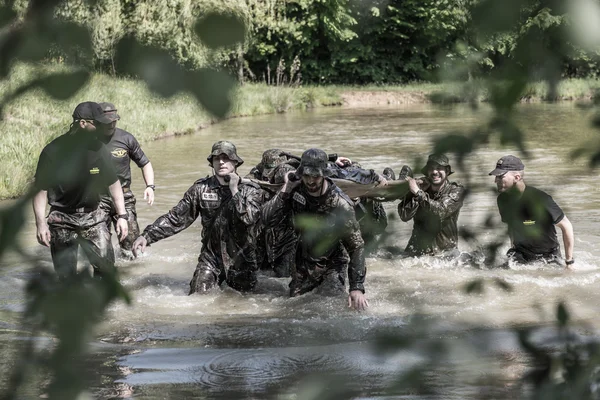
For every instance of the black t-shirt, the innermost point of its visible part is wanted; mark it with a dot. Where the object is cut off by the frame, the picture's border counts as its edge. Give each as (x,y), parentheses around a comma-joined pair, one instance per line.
(124,148)
(531,218)
(75,169)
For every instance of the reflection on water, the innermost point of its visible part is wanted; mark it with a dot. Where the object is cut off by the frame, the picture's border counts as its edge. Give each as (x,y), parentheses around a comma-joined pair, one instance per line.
(168,344)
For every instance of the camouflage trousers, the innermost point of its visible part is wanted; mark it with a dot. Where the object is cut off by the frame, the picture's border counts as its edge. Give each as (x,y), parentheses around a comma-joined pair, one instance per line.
(328,274)
(134,230)
(211,271)
(278,248)
(70,231)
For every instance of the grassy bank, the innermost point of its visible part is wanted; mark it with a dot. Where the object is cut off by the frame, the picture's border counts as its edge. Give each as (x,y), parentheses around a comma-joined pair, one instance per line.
(33,120)
(476,90)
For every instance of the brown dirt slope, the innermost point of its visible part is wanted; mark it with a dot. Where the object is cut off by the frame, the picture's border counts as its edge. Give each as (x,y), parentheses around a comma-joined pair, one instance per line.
(359,98)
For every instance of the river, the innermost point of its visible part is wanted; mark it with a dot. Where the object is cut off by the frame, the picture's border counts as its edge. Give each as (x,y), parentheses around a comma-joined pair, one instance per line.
(259,345)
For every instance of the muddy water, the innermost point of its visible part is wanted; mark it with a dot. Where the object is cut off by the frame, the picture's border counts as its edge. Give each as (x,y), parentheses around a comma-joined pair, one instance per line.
(226,345)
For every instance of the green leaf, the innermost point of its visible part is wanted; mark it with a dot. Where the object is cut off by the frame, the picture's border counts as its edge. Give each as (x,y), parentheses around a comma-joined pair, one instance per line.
(502,284)
(9,42)
(63,85)
(474,287)
(11,221)
(220,29)
(7,15)
(562,314)
(212,89)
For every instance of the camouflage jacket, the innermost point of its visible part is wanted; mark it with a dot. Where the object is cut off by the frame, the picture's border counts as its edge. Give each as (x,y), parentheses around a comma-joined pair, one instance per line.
(322,224)
(435,218)
(228,222)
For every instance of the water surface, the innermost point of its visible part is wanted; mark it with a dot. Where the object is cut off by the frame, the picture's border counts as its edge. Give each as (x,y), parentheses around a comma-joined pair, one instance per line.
(225,344)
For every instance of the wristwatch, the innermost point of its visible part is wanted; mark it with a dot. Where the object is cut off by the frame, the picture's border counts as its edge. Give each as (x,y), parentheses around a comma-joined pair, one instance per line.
(151,187)
(124,216)
(570,262)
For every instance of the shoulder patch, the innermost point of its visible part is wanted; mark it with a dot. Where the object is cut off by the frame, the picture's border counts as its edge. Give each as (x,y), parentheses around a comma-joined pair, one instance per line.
(210,196)
(299,198)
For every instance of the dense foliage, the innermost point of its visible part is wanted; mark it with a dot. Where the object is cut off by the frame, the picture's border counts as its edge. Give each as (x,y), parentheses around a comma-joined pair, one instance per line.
(335,41)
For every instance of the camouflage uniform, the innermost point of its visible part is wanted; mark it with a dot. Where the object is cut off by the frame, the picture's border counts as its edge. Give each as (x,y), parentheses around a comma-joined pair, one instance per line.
(75,169)
(327,232)
(276,246)
(435,215)
(228,250)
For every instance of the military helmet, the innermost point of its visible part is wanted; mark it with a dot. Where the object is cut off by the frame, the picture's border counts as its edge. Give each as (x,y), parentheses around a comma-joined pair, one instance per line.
(437,159)
(313,162)
(270,159)
(227,148)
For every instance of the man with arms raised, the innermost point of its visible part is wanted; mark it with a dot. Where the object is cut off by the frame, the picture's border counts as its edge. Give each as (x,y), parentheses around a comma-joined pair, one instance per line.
(531,216)
(229,210)
(326,227)
(434,204)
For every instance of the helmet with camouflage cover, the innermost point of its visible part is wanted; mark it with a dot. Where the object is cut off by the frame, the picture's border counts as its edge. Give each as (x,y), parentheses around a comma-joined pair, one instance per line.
(227,148)
(313,162)
(270,159)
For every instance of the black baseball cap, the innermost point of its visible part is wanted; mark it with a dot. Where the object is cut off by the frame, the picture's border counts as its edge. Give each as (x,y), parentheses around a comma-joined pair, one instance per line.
(92,111)
(110,111)
(507,164)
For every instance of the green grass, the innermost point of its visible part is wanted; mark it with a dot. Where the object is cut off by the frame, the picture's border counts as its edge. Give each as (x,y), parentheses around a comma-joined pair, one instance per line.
(33,120)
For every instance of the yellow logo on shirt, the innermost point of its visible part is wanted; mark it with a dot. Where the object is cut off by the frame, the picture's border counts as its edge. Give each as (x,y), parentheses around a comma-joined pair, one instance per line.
(119,153)
(94,171)
(528,222)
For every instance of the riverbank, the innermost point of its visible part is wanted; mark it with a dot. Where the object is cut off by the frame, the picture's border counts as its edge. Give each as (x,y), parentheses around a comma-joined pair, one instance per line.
(33,120)
(368,96)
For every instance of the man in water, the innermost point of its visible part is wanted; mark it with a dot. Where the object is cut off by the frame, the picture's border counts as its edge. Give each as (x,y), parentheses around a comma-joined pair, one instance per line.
(531,216)
(72,172)
(434,204)
(276,245)
(124,148)
(229,210)
(323,217)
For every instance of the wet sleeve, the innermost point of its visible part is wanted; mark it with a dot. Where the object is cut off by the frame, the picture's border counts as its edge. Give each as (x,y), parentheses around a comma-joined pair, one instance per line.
(408,206)
(254,173)
(363,176)
(355,246)
(448,204)
(247,205)
(556,213)
(135,152)
(276,209)
(179,218)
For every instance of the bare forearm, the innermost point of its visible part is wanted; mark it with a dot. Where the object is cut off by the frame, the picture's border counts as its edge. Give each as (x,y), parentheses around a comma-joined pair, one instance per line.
(116,192)
(148,174)
(568,237)
(40,201)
